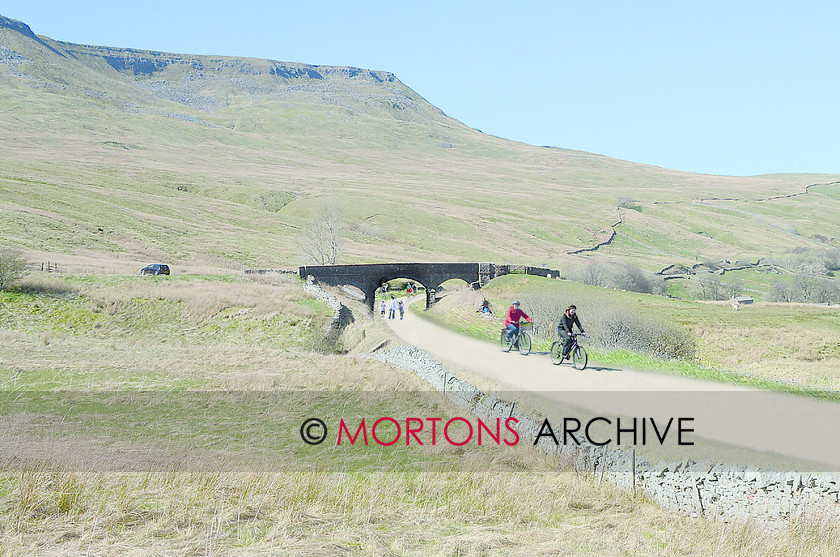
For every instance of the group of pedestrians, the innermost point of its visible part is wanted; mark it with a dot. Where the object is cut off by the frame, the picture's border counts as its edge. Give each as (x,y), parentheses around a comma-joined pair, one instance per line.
(393,306)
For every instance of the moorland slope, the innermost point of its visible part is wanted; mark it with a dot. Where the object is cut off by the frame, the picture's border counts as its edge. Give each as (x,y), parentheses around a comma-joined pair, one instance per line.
(121,155)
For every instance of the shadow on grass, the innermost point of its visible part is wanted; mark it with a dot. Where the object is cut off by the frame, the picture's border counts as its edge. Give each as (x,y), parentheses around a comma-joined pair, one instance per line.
(45,287)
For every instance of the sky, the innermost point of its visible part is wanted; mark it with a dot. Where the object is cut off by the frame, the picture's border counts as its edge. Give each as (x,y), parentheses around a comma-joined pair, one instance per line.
(719,87)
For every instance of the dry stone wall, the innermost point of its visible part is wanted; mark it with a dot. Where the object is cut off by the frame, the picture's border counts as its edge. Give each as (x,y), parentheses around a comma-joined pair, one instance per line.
(342,315)
(695,489)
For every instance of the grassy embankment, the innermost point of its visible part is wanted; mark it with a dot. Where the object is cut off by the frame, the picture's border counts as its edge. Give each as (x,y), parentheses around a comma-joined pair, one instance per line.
(138,418)
(787,347)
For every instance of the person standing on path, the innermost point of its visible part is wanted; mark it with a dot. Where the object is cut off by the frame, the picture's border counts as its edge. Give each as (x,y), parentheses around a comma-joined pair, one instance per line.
(392,307)
(401,307)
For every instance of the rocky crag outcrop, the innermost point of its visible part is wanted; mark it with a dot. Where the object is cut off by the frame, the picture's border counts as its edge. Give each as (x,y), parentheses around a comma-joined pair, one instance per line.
(208,83)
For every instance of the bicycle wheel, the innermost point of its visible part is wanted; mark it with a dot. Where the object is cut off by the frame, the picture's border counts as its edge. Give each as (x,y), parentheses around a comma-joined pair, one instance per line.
(524,344)
(556,352)
(505,342)
(579,358)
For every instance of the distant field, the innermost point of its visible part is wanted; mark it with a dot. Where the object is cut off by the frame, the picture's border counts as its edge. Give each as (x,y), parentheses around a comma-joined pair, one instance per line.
(832,190)
(753,283)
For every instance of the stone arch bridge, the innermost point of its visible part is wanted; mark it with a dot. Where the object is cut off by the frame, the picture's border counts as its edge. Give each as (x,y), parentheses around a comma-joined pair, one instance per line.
(368,278)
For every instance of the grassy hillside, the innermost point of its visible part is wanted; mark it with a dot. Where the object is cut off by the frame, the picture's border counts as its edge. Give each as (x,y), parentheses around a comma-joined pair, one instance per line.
(125,156)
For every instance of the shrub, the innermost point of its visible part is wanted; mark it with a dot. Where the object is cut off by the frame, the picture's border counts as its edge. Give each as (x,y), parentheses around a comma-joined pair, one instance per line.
(808,261)
(832,259)
(805,289)
(273,201)
(628,203)
(12,267)
(610,327)
(620,275)
(620,328)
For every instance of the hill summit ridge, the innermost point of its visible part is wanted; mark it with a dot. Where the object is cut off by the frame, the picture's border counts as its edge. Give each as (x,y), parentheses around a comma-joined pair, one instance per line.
(16,25)
(148,62)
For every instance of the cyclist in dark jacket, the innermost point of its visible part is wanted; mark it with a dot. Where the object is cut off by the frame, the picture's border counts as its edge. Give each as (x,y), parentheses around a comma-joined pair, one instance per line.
(564,328)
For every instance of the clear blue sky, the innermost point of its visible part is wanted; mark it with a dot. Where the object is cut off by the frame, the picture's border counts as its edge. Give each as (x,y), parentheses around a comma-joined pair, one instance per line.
(725,87)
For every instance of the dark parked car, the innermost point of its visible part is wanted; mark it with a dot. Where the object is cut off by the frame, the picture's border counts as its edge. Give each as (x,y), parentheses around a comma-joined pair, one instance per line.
(156,269)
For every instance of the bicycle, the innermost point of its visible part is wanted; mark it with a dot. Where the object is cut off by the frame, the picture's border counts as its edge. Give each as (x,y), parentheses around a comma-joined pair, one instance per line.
(521,340)
(576,352)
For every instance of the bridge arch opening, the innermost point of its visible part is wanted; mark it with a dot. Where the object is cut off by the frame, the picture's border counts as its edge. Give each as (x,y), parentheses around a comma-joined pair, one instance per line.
(401,288)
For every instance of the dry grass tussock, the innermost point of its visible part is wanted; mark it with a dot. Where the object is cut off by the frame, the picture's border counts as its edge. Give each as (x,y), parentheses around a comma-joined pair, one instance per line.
(790,353)
(46,286)
(794,341)
(204,299)
(62,360)
(483,508)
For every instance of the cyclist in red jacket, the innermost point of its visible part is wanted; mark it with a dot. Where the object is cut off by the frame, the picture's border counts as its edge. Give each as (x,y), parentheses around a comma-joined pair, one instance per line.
(514,315)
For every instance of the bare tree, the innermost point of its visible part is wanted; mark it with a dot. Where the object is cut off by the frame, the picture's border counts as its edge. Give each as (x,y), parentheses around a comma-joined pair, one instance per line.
(780,291)
(594,274)
(620,275)
(710,287)
(735,287)
(321,235)
(805,289)
(12,267)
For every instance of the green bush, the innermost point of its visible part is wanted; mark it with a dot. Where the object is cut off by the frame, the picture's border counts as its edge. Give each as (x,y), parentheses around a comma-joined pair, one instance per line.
(12,268)
(611,327)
